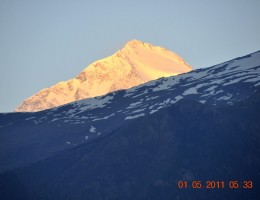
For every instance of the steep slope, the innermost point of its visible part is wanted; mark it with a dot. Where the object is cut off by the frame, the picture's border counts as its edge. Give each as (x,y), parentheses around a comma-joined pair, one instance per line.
(136,63)
(27,137)
(145,158)
(138,143)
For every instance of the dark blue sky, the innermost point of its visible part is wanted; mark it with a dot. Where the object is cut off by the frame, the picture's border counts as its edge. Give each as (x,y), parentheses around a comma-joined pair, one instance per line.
(44,42)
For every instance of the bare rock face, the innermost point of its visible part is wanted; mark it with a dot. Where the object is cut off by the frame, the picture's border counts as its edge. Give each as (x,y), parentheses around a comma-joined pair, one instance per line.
(136,63)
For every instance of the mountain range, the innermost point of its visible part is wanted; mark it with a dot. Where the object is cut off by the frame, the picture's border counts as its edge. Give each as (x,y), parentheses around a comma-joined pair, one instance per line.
(138,143)
(136,63)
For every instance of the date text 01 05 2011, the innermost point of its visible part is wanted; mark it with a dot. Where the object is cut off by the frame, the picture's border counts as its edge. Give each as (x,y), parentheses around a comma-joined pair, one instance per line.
(233,184)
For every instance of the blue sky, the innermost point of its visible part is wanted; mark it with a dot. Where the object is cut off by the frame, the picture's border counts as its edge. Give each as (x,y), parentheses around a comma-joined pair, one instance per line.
(44,42)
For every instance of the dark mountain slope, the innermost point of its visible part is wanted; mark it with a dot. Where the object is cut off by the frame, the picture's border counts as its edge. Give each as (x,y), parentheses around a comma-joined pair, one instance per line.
(146,157)
(26,138)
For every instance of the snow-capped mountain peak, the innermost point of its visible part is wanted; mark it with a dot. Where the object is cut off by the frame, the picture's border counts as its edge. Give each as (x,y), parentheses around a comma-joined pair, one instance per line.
(117,142)
(136,63)
(222,86)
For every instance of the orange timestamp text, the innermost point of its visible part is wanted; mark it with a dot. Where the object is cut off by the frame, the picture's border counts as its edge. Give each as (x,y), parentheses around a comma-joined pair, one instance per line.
(233,184)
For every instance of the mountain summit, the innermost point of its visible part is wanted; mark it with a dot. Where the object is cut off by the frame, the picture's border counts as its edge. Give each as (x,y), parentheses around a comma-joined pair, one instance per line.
(136,63)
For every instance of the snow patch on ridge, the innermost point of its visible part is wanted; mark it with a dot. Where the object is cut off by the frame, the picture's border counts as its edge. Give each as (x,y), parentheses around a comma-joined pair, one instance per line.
(106,117)
(176,99)
(189,91)
(92,129)
(98,102)
(133,105)
(135,116)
